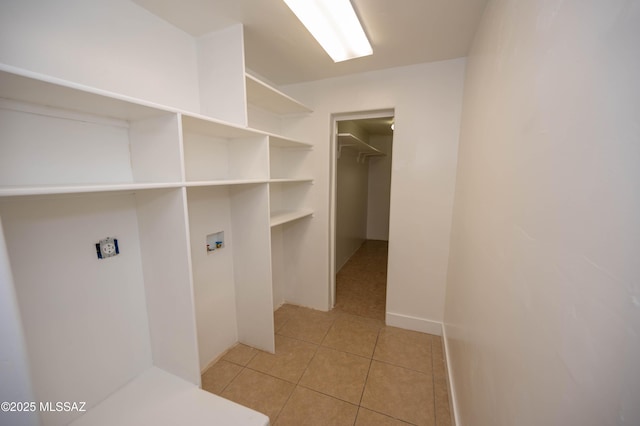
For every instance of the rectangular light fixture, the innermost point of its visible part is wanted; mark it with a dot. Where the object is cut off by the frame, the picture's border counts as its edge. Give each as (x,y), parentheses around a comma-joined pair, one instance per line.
(335,25)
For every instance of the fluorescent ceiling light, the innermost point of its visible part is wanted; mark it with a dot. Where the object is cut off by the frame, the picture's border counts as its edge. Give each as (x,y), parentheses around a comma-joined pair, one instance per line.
(334,25)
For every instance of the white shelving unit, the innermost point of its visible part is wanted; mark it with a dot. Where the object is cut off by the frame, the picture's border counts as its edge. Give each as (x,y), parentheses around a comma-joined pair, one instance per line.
(78,165)
(289,187)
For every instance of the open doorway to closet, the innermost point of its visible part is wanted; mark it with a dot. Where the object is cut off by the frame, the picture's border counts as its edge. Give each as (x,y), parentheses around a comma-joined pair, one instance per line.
(361,172)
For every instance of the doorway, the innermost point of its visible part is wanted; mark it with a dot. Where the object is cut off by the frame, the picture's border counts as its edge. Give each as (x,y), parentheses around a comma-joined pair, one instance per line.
(360,192)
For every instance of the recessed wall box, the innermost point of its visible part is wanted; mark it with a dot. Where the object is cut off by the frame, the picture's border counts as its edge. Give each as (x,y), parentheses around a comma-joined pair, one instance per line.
(215,241)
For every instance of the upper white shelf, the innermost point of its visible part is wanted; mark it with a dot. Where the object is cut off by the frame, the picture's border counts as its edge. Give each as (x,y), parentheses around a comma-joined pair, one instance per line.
(42,90)
(267,97)
(347,140)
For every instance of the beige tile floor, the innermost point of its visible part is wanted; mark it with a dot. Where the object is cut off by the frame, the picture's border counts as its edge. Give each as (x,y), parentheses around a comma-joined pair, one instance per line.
(343,367)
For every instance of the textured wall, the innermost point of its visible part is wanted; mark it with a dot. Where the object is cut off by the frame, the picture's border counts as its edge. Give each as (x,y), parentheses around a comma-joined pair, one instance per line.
(543,295)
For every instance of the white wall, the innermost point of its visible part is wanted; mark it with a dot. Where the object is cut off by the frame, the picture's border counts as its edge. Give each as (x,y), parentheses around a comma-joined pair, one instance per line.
(84,319)
(351,205)
(379,189)
(427,99)
(351,197)
(221,75)
(278,261)
(113,45)
(14,361)
(209,212)
(543,296)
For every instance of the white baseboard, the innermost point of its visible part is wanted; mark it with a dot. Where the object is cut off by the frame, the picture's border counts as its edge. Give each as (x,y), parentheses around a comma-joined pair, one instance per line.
(414,323)
(432,327)
(453,399)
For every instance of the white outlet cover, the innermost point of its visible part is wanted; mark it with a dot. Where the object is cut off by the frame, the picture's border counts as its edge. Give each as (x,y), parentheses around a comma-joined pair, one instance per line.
(108,247)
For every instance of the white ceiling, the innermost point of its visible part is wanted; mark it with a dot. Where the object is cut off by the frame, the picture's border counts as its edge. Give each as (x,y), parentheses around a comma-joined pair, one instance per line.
(279,48)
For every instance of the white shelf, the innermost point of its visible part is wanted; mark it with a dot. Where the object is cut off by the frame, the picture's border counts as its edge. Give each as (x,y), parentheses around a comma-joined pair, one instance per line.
(282,142)
(291,180)
(283,216)
(159,398)
(17,191)
(199,124)
(266,97)
(347,140)
(25,86)
(13,191)
(226,182)
(42,90)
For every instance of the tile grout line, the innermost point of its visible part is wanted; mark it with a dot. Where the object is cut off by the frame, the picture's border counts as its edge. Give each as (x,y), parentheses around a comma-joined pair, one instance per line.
(390,416)
(244,367)
(366,379)
(231,381)
(318,346)
(401,366)
(295,386)
(357,414)
(327,395)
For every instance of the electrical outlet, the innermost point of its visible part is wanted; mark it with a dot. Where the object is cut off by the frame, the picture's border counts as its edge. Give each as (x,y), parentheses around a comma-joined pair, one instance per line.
(107,248)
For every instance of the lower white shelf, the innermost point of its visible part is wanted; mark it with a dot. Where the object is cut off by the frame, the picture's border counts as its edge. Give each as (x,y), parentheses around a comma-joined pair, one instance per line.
(159,398)
(284,216)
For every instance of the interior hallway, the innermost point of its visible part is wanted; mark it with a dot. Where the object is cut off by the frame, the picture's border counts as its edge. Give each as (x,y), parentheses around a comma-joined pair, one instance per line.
(343,367)
(361,284)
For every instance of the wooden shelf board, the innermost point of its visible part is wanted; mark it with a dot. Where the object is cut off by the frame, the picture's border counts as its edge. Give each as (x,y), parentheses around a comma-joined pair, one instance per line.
(284,216)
